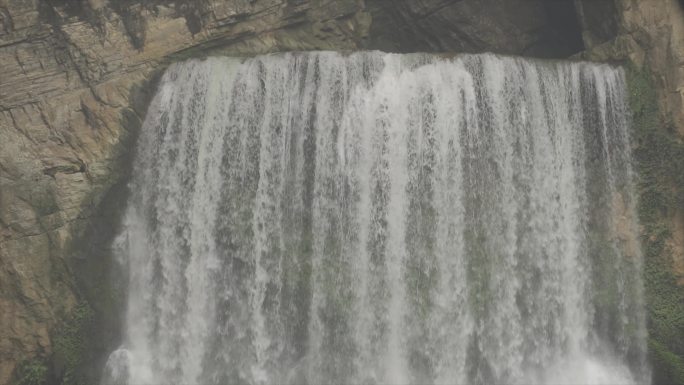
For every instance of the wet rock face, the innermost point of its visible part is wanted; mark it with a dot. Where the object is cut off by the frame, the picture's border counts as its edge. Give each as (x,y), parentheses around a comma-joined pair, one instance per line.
(646,33)
(537,28)
(649,35)
(598,19)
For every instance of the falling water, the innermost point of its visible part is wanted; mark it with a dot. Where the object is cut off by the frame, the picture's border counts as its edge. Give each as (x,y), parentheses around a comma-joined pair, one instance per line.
(376,218)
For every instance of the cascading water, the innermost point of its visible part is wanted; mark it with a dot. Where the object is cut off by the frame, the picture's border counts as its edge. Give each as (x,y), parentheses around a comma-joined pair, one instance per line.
(376,218)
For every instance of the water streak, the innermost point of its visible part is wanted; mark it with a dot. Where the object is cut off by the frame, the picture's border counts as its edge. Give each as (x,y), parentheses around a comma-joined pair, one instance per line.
(379,218)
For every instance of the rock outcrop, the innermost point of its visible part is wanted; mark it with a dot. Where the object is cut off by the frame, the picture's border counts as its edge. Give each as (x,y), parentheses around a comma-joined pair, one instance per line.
(538,28)
(76,76)
(72,95)
(648,36)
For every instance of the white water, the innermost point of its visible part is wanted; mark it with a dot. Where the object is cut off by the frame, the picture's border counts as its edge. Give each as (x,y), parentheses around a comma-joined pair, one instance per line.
(375,218)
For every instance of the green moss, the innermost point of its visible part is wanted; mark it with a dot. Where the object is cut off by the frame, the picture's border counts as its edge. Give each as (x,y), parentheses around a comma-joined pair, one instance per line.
(71,344)
(659,157)
(33,372)
(668,366)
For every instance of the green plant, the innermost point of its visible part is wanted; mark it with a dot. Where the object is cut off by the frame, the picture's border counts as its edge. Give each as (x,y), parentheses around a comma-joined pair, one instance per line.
(70,344)
(33,372)
(659,159)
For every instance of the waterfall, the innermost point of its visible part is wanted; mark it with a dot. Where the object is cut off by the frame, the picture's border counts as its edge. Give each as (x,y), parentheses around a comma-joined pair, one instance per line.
(377,218)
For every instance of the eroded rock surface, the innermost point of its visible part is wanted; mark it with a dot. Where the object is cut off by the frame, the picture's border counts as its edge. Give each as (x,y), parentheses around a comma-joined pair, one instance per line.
(648,33)
(648,36)
(70,103)
(538,28)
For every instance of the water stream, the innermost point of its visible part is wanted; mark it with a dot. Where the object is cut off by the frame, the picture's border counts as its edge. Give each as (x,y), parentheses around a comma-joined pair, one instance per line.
(383,219)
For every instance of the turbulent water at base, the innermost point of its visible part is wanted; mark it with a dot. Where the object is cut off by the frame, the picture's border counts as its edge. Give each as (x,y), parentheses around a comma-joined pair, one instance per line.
(383,219)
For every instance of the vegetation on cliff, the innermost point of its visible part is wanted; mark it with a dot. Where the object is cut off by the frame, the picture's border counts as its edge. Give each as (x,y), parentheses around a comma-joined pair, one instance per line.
(659,159)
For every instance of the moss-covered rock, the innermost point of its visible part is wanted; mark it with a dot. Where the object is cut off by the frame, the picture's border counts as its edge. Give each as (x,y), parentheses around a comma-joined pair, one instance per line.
(659,161)
(71,345)
(33,372)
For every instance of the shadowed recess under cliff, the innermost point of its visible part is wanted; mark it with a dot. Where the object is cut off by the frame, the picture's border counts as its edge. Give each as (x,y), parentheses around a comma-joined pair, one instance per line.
(379,218)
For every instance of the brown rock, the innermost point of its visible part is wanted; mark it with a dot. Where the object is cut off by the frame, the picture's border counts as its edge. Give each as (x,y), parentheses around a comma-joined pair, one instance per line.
(68,112)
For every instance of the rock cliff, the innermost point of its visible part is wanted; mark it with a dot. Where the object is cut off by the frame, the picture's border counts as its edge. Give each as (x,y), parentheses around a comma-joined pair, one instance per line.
(648,38)
(76,77)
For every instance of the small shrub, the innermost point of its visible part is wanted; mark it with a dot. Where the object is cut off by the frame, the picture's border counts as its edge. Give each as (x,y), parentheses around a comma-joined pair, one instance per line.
(33,372)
